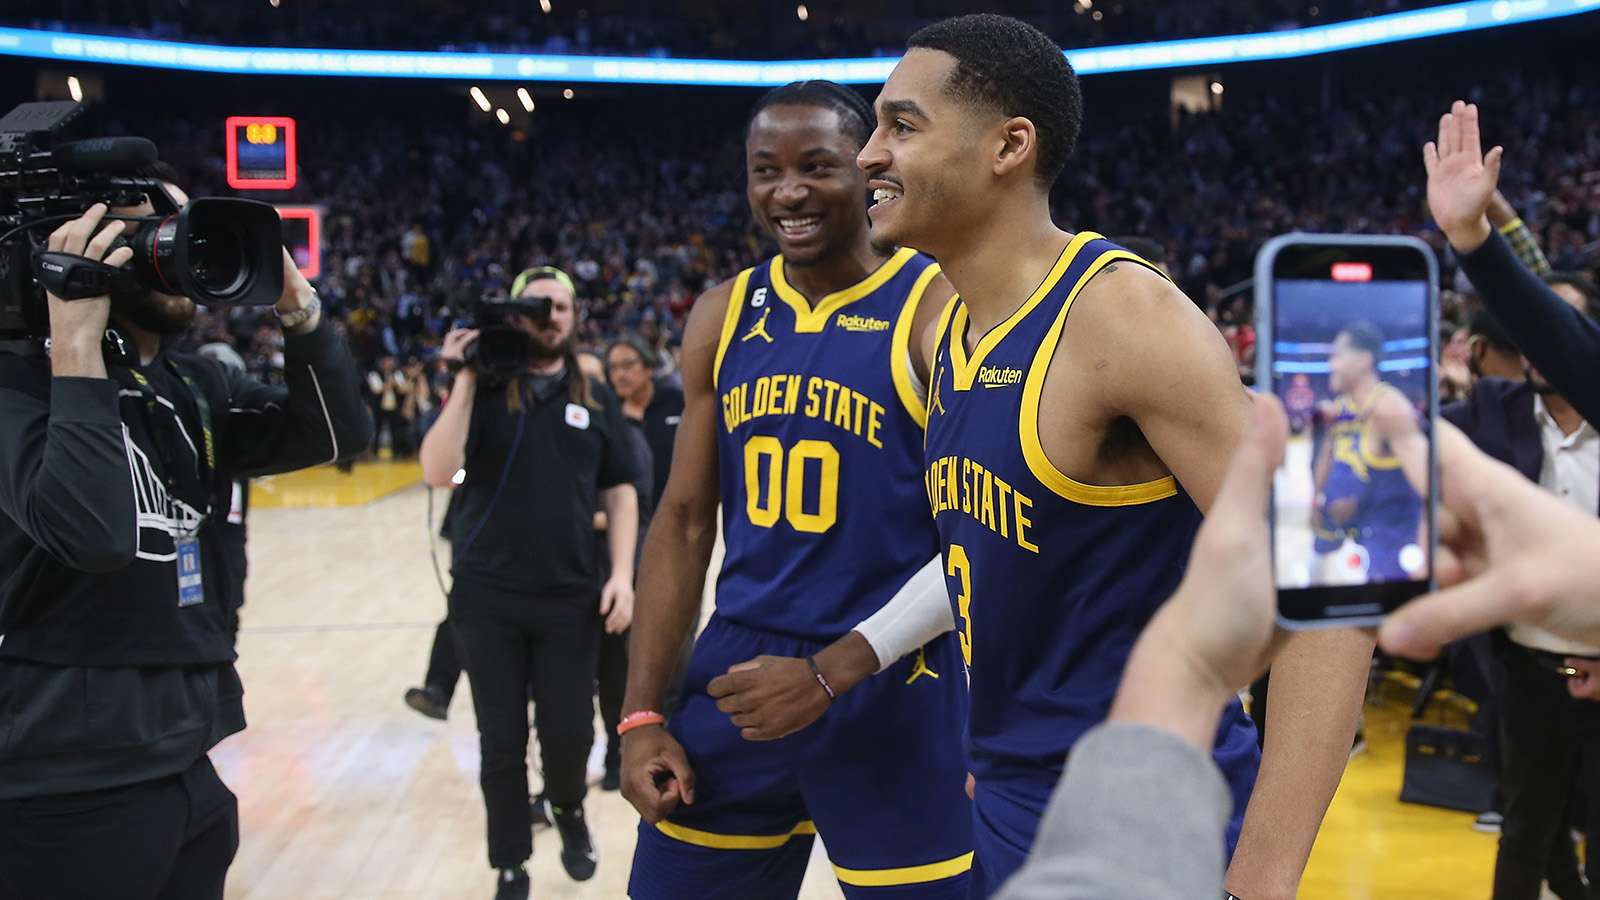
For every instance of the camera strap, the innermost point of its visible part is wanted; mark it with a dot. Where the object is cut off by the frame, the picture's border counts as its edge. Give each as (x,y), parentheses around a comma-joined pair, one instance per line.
(173,441)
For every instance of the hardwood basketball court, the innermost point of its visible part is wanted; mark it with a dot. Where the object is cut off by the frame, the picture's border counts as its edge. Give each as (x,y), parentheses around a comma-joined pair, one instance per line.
(346,792)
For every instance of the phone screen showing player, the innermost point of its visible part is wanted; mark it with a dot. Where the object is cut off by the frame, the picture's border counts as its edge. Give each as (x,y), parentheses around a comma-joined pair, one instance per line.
(1350,350)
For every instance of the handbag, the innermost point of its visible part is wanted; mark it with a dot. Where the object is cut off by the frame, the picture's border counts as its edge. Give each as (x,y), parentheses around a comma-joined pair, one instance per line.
(1449,768)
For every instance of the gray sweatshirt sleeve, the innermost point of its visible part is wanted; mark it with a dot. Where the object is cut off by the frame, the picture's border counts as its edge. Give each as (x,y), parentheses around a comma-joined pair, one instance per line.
(1140,814)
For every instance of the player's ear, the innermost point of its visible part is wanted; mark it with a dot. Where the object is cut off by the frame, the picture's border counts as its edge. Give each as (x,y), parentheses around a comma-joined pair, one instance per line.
(1018,145)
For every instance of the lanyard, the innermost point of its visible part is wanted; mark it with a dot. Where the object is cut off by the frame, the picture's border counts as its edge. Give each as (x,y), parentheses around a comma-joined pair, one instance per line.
(161,425)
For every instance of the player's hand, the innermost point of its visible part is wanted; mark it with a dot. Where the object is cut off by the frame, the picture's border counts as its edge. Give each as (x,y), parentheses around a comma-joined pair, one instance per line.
(76,326)
(1586,684)
(770,697)
(616,604)
(656,776)
(1461,178)
(455,344)
(1512,552)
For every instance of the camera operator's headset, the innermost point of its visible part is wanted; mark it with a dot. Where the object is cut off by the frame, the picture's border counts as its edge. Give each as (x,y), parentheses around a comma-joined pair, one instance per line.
(521,282)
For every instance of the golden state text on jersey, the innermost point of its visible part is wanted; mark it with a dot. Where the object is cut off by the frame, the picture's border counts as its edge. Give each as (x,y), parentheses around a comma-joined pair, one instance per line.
(820,440)
(1051,579)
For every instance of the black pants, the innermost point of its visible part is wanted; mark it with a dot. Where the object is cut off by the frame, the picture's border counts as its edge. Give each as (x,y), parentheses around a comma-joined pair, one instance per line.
(1544,736)
(168,839)
(612,678)
(444,666)
(514,648)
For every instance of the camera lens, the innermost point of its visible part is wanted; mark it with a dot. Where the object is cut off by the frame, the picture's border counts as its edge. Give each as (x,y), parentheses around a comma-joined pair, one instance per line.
(217,251)
(217,256)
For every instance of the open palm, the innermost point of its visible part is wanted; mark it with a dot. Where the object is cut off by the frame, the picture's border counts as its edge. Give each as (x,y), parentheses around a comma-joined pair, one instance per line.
(1461,178)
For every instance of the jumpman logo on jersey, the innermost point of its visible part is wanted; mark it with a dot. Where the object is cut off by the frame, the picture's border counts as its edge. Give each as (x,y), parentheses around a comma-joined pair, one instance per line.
(760,329)
(936,403)
(921,668)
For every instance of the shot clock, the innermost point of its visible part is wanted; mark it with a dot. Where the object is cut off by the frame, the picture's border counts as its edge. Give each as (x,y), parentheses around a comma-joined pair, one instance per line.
(261,152)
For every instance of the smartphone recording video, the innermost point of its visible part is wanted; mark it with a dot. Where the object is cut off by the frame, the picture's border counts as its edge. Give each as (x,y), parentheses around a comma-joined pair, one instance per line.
(1347,340)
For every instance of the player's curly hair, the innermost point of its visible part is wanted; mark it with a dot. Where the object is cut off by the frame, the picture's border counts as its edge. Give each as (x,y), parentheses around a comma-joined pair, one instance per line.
(1012,68)
(855,113)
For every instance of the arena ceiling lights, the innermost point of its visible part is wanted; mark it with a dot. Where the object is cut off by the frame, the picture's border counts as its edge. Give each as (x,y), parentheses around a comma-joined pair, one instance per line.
(636,70)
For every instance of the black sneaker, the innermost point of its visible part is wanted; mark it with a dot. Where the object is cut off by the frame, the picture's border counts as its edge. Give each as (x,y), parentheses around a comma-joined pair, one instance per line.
(512,884)
(539,809)
(430,701)
(578,855)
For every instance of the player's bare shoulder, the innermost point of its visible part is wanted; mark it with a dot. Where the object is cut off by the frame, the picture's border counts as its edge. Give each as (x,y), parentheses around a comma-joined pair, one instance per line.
(1129,313)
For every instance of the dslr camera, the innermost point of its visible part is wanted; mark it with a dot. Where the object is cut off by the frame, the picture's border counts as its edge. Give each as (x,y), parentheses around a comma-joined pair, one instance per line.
(216,251)
(502,350)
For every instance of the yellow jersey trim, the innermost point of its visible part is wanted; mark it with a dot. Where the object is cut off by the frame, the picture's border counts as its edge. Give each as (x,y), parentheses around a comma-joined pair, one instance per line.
(907,875)
(900,348)
(811,321)
(1028,425)
(966,370)
(730,322)
(733,841)
(1382,462)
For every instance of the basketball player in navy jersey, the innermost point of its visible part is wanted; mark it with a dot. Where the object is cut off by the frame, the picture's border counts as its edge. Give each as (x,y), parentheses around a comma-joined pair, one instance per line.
(1373,466)
(803,416)
(1069,460)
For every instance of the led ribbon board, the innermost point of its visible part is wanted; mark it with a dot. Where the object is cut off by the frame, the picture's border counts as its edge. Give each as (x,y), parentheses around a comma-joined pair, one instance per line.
(1367,32)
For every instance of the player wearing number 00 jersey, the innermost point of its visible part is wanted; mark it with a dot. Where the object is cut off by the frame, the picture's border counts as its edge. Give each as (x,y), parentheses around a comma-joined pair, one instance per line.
(818,462)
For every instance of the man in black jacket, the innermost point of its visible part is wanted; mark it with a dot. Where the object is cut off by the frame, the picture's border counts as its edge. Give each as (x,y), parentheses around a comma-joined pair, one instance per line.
(1546,735)
(1561,342)
(116,661)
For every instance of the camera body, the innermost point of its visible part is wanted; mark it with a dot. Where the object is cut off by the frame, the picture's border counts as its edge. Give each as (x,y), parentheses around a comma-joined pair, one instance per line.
(502,349)
(216,251)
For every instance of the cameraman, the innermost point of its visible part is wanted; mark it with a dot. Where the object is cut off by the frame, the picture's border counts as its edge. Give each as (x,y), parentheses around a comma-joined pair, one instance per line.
(116,663)
(542,447)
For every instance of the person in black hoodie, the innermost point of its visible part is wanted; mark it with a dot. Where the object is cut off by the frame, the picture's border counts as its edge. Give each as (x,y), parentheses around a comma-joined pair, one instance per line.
(116,658)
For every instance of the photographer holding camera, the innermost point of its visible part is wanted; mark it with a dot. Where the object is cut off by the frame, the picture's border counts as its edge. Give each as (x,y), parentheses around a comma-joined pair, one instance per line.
(116,461)
(542,448)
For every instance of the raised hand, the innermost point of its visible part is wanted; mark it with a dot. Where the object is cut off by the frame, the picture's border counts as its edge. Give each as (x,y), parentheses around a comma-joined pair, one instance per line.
(1461,178)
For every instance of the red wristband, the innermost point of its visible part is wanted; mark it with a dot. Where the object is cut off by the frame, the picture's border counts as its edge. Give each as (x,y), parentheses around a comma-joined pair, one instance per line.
(642,717)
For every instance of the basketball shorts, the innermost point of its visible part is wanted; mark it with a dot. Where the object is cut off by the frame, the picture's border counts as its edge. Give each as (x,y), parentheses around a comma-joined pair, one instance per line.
(881,777)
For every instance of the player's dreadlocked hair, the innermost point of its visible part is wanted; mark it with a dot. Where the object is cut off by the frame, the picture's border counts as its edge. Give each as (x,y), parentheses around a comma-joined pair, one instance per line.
(855,113)
(1014,69)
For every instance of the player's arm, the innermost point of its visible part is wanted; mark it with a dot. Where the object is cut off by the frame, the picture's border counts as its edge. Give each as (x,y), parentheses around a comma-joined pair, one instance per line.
(672,572)
(1187,401)
(1396,422)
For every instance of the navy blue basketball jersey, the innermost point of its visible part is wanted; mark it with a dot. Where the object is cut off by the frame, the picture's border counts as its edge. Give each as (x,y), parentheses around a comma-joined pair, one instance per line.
(1052,580)
(820,439)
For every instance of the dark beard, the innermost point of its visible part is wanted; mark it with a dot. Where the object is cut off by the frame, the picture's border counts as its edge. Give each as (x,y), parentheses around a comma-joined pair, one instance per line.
(884,248)
(157,314)
(560,350)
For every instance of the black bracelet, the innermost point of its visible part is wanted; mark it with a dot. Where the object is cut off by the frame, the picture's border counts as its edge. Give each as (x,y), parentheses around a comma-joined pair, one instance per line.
(812,662)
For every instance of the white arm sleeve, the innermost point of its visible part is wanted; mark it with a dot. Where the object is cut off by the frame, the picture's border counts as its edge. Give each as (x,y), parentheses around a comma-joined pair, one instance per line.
(915,615)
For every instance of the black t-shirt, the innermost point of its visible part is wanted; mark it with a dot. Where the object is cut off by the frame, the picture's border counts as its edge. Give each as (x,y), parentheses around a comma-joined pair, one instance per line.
(523,517)
(660,430)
